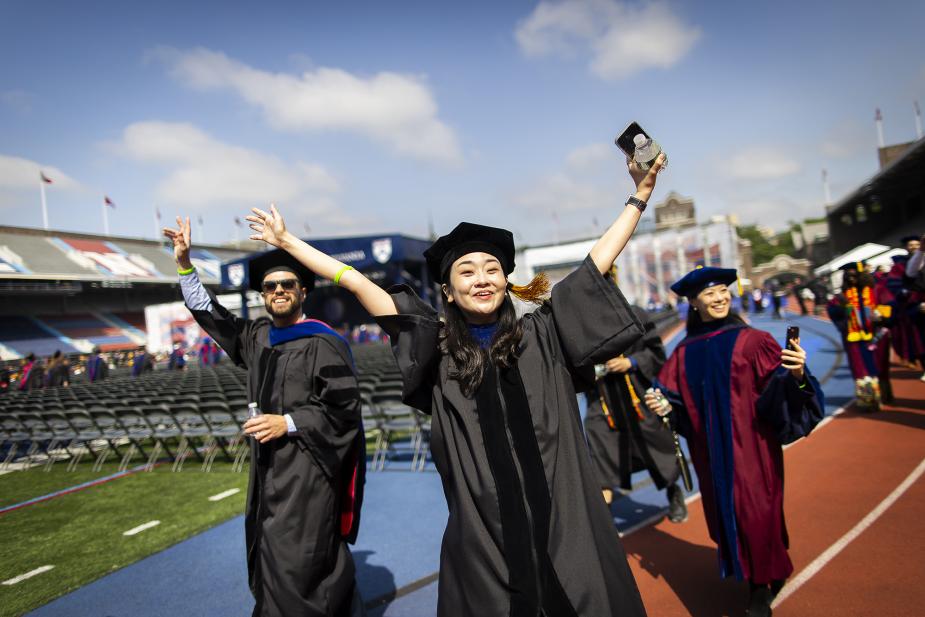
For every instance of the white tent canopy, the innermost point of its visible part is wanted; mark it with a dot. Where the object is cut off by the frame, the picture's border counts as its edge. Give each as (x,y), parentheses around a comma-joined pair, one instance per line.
(884,259)
(865,252)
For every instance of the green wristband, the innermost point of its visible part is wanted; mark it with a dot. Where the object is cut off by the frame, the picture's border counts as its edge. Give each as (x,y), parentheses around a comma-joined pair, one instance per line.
(189,270)
(340,273)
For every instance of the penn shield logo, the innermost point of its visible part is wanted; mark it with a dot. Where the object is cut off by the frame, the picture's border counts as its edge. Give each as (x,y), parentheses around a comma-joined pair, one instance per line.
(382,250)
(236,274)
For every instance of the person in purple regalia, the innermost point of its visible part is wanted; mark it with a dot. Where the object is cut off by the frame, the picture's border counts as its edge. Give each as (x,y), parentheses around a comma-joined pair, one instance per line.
(908,322)
(737,398)
(97,368)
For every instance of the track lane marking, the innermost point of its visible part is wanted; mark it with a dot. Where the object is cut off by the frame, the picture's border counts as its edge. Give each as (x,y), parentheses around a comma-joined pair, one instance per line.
(830,553)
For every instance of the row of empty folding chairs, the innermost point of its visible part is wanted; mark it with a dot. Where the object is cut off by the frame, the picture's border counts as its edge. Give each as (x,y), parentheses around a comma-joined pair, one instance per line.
(178,430)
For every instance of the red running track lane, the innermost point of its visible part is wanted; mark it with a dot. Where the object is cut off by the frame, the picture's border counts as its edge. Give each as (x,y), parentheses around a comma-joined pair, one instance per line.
(833,480)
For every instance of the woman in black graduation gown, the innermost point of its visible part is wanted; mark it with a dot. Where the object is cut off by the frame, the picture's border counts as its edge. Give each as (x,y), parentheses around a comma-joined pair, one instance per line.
(528,532)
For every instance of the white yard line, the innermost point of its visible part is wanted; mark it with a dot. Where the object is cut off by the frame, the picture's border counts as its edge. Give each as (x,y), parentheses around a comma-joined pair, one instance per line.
(22,577)
(140,528)
(223,494)
(820,562)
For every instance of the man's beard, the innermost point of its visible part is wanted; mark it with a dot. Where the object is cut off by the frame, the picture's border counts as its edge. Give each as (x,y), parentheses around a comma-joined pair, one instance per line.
(280,312)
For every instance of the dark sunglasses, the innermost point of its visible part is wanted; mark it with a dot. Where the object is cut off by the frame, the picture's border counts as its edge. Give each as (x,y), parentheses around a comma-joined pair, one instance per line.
(287,285)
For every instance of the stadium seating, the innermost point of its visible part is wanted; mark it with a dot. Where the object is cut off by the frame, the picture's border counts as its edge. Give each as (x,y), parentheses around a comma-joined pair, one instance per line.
(195,413)
(24,336)
(91,328)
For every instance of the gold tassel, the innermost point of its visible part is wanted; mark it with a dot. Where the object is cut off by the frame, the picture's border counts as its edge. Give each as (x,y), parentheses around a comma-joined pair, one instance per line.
(534,292)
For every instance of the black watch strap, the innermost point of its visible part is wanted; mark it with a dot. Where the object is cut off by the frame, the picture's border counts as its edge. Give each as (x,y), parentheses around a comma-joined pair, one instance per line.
(632,200)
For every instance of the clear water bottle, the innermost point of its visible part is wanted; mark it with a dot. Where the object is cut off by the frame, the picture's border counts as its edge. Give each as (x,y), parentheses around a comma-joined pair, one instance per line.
(646,151)
(253,411)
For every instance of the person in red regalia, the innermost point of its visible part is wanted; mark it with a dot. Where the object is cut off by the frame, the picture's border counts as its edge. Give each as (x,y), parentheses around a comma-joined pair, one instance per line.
(738,397)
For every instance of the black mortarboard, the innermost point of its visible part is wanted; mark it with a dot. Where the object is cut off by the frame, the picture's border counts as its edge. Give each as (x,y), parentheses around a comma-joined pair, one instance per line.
(909,238)
(857,266)
(699,279)
(277,260)
(469,238)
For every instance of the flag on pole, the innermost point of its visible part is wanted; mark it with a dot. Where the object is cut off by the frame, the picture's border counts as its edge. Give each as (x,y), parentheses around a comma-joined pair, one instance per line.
(108,202)
(200,220)
(45,178)
(237,221)
(878,116)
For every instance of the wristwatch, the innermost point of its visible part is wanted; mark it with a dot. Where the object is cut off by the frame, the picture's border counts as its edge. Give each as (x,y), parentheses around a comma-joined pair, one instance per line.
(632,200)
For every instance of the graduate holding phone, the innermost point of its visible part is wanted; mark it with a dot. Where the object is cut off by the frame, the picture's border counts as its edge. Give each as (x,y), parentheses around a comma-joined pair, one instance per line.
(738,397)
(528,533)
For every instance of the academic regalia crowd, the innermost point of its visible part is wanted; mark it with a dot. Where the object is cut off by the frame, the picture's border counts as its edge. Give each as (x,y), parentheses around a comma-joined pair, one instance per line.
(529,533)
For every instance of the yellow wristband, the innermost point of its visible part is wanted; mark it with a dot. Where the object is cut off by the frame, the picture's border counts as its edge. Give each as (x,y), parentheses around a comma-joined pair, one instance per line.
(189,270)
(340,273)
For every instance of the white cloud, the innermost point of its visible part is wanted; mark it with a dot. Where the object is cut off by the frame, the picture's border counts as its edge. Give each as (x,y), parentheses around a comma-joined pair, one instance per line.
(20,173)
(397,110)
(591,180)
(621,39)
(207,173)
(563,194)
(761,163)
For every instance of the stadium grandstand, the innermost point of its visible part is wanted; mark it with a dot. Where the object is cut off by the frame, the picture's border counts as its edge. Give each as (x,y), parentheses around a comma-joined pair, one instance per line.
(73,292)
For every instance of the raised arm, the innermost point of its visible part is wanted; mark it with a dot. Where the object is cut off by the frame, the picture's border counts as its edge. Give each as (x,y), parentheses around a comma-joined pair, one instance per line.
(270,227)
(611,244)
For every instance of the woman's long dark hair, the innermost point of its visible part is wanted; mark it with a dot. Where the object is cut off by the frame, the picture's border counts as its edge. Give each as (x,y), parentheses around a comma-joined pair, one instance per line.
(470,359)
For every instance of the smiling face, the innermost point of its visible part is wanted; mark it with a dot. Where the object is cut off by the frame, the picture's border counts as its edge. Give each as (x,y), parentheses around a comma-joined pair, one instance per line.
(713,302)
(282,296)
(912,246)
(477,286)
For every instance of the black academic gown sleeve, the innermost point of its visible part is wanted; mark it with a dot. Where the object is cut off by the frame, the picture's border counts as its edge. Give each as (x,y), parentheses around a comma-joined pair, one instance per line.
(414,334)
(648,353)
(594,321)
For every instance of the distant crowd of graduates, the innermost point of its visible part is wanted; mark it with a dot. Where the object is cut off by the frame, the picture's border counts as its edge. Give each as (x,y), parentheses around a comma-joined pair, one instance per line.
(59,370)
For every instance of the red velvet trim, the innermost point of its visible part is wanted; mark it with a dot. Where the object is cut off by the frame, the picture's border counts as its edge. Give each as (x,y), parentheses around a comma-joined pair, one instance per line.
(348,502)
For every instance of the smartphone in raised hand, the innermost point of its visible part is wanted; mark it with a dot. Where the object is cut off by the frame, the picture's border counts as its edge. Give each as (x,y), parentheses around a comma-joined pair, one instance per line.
(624,140)
(793,332)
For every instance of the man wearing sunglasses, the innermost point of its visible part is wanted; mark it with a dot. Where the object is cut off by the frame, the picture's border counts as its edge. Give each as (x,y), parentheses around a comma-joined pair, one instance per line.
(308,453)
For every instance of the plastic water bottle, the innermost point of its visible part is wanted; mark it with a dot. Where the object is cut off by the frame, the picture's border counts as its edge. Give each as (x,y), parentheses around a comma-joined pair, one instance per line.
(253,411)
(646,151)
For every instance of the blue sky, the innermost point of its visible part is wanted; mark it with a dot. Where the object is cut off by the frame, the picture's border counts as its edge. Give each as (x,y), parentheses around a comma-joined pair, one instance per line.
(369,117)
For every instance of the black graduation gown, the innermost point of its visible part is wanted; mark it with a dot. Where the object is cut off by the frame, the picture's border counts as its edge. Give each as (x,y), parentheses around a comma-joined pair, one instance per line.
(586,321)
(634,444)
(297,558)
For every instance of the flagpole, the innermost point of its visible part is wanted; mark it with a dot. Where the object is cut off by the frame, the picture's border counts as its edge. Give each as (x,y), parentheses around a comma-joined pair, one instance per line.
(918,120)
(199,234)
(157,224)
(44,204)
(105,218)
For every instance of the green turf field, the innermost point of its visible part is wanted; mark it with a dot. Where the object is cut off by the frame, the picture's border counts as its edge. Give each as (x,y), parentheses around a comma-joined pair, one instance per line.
(81,533)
